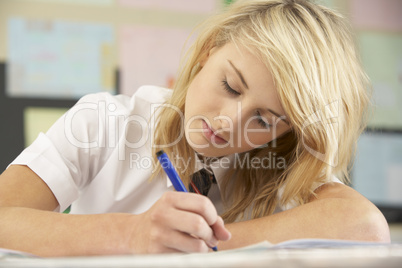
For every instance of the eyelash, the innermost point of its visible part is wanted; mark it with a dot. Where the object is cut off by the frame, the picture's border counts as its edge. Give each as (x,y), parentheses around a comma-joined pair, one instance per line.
(229,89)
(261,122)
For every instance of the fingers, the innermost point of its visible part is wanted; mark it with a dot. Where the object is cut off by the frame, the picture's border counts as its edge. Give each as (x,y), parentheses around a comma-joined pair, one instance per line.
(176,241)
(180,222)
(219,230)
(195,203)
(188,223)
(202,222)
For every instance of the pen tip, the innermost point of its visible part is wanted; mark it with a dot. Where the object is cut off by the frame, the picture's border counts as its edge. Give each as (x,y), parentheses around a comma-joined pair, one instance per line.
(159,153)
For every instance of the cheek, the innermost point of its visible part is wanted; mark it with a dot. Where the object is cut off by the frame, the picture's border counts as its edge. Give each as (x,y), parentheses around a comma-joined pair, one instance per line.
(192,105)
(258,137)
(254,140)
(191,96)
(204,84)
(200,98)
(196,104)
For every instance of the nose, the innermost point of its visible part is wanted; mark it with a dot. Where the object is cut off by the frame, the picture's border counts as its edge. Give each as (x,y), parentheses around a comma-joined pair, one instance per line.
(231,115)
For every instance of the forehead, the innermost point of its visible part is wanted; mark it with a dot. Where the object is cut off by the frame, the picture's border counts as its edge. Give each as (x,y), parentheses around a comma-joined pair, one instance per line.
(247,61)
(256,73)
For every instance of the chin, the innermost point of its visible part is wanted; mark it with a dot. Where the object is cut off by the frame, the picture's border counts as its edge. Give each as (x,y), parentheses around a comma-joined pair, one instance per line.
(212,152)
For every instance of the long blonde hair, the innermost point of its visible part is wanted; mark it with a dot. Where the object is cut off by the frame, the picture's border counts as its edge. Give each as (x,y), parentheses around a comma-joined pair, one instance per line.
(321,85)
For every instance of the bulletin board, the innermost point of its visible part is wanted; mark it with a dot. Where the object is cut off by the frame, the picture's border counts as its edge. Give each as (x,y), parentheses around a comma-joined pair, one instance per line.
(52,52)
(379,35)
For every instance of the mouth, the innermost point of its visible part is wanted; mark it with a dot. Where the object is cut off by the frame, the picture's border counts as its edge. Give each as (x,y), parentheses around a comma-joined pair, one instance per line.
(211,135)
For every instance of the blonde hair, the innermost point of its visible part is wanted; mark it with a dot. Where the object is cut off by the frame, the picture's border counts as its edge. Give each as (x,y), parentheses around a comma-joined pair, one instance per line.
(321,85)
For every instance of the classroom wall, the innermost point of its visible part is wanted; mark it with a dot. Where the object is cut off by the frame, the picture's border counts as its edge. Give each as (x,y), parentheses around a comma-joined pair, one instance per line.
(54,51)
(127,43)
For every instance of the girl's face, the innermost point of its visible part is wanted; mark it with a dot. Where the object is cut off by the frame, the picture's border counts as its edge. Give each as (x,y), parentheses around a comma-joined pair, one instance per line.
(232,105)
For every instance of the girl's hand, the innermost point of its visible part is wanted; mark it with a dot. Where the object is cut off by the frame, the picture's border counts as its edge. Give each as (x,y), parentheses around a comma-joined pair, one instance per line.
(178,222)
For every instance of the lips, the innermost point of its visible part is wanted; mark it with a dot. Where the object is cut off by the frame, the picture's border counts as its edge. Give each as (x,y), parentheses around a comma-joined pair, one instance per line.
(211,135)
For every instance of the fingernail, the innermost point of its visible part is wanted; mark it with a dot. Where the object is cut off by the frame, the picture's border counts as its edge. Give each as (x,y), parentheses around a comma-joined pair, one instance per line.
(213,242)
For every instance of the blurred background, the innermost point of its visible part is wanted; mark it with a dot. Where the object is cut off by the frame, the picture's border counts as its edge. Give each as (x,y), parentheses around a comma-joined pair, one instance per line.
(52,52)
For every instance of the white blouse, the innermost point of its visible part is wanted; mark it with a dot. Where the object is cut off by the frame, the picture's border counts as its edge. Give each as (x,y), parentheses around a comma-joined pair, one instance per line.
(97,157)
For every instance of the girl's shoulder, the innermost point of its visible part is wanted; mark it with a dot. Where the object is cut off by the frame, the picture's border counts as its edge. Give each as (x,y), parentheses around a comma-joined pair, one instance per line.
(293,203)
(146,98)
(152,94)
(122,104)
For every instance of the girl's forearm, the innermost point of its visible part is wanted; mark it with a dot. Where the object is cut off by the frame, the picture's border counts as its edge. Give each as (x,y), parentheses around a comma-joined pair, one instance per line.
(45,233)
(338,213)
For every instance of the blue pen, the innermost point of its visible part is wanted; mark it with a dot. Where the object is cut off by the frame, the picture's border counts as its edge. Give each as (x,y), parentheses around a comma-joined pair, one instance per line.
(172,174)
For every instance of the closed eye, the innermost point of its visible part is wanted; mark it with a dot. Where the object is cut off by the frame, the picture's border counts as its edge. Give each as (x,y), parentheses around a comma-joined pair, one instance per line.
(229,89)
(262,122)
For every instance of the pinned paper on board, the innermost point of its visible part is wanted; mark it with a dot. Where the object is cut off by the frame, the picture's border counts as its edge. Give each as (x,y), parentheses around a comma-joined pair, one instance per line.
(79,2)
(196,6)
(228,2)
(377,171)
(327,3)
(377,14)
(39,119)
(149,56)
(58,59)
(382,59)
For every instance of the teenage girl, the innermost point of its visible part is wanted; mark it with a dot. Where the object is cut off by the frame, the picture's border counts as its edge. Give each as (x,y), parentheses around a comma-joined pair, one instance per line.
(269,103)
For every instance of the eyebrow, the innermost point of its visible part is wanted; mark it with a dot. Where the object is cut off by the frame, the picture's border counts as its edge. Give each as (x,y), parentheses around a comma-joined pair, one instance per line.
(280,117)
(239,74)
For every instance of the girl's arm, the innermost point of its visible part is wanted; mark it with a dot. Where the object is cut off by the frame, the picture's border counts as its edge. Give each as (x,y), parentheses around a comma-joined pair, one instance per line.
(28,223)
(338,212)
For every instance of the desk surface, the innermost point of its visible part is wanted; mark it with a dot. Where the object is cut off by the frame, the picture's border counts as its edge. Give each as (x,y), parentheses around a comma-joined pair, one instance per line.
(350,256)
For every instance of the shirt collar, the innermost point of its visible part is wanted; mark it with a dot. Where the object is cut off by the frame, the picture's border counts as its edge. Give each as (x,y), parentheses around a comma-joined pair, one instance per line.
(218,167)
